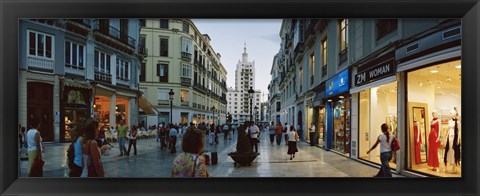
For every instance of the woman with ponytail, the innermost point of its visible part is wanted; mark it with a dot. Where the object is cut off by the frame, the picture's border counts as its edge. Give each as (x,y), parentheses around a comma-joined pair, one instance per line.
(385,141)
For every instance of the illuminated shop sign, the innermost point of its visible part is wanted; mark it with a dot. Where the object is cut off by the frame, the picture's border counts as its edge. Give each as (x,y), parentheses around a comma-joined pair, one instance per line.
(338,84)
(377,72)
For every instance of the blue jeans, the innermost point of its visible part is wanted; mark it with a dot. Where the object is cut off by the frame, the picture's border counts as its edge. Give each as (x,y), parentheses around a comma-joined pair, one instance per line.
(121,145)
(385,158)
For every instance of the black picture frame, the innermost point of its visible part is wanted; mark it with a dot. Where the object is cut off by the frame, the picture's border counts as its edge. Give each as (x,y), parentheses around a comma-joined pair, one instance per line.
(11,11)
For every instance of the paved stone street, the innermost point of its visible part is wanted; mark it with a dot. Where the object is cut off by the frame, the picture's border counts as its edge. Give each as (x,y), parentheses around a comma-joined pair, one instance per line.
(273,161)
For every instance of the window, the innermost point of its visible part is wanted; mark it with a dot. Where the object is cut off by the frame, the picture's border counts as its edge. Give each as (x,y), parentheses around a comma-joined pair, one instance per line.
(164,23)
(123,69)
(163,46)
(300,80)
(163,95)
(312,68)
(186,70)
(74,55)
(40,44)
(102,62)
(385,27)
(186,28)
(162,72)
(142,72)
(324,57)
(343,24)
(142,22)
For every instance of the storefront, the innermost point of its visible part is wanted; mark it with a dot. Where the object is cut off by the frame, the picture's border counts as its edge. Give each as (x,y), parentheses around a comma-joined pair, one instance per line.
(76,104)
(338,113)
(113,105)
(375,92)
(318,106)
(433,103)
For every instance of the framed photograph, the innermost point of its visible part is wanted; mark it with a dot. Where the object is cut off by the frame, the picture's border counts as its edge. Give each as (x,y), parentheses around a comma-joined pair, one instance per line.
(347,67)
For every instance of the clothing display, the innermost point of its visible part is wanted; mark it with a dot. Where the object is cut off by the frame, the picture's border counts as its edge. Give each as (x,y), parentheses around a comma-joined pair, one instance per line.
(452,149)
(433,143)
(418,141)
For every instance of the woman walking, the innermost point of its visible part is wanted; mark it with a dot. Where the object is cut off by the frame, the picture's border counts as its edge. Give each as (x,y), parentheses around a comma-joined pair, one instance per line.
(385,141)
(292,142)
(132,141)
(92,165)
(190,163)
(34,148)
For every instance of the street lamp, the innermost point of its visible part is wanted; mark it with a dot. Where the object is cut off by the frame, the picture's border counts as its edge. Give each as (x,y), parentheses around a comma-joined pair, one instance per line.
(213,117)
(256,108)
(171,93)
(250,95)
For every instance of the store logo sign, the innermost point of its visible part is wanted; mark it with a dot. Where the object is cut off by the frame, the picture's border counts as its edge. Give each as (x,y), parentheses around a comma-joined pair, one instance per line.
(338,84)
(377,72)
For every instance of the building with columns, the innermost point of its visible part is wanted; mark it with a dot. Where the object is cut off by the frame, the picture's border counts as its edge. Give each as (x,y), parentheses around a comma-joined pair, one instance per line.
(74,69)
(239,105)
(180,58)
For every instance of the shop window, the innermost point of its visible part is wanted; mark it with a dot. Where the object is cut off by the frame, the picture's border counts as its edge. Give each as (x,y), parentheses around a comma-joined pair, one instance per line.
(378,105)
(434,129)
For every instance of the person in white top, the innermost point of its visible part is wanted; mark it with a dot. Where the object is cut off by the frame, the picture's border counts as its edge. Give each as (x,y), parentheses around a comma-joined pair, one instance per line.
(34,143)
(132,141)
(385,141)
(312,134)
(254,131)
(292,142)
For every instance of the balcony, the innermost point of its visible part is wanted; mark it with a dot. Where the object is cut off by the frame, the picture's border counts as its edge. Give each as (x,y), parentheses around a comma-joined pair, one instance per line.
(40,64)
(185,103)
(109,34)
(186,56)
(74,70)
(186,81)
(103,77)
(78,26)
(299,48)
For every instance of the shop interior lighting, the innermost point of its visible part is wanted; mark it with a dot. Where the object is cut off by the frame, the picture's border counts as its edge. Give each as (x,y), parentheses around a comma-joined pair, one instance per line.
(341,97)
(434,71)
(329,100)
(420,84)
(458,66)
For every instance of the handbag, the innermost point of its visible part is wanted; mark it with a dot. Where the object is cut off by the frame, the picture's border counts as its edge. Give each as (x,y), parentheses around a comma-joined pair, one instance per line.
(37,169)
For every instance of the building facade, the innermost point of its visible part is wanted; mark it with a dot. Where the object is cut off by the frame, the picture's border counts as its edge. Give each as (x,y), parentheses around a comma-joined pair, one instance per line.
(74,69)
(181,59)
(240,106)
(349,76)
(274,95)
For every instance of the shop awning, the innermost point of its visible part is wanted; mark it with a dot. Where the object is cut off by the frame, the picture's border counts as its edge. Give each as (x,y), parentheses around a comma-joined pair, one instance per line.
(146,106)
(76,84)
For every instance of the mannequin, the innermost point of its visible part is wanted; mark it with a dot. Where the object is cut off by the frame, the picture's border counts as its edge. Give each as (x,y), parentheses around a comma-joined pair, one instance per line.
(417,138)
(452,148)
(434,142)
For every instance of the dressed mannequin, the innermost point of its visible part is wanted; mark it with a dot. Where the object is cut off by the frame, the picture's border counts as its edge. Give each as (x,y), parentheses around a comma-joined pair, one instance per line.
(452,148)
(434,142)
(417,141)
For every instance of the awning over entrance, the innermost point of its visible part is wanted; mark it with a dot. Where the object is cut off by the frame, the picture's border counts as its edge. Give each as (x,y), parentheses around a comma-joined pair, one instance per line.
(146,106)
(67,83)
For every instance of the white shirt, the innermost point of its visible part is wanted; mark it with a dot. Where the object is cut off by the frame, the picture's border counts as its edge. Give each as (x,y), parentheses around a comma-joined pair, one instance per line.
(385,146)
(312,128)
(291,136)
(32,145)
(254,130)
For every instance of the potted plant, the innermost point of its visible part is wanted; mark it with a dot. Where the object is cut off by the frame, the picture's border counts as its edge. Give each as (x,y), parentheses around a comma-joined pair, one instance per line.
(244,154)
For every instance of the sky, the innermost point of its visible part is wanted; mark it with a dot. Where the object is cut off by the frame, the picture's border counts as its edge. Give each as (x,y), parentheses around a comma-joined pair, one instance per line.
(228,37)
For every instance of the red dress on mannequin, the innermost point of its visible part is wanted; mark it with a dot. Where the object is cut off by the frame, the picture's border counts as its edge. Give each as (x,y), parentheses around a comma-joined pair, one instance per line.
(433,145)
(416,134)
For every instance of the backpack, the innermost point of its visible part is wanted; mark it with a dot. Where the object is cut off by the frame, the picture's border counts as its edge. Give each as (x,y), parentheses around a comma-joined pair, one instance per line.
(395,146)
(71,154)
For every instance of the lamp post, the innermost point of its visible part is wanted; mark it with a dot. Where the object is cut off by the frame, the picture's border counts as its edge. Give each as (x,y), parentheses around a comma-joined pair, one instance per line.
(250,95)
(213,117)
(256,113)
(171,93)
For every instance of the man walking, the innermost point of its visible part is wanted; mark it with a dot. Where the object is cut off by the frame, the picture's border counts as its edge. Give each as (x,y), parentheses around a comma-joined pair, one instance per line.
(271,131)
(122,134)
(279,133)
(173,138)
(254,131)
(285,130)
(226,131)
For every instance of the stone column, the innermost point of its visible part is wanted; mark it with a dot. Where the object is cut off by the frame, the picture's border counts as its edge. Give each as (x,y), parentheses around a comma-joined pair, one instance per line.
(22,99)
(56,110)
